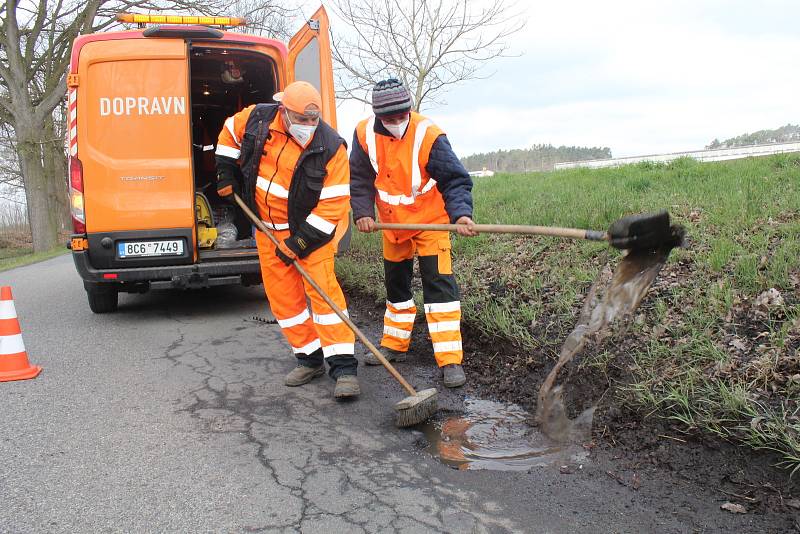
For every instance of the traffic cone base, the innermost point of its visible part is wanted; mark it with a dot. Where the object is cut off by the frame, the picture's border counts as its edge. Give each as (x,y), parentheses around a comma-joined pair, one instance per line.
(16,367)
(14,364)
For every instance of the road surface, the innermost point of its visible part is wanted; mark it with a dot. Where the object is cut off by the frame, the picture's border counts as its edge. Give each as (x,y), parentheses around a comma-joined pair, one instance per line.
(171,416)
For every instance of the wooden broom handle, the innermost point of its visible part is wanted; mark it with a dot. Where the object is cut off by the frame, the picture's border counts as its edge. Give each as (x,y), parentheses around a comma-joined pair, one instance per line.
(573,233)
(261,226)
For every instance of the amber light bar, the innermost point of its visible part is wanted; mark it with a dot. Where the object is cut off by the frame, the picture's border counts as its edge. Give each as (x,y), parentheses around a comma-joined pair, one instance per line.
(180,19)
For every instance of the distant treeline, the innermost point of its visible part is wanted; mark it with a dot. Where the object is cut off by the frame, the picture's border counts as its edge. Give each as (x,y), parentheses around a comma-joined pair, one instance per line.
(784,134)
(535,158)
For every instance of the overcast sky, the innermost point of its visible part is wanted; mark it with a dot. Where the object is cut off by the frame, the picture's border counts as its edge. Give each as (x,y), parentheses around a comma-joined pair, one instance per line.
(640,77)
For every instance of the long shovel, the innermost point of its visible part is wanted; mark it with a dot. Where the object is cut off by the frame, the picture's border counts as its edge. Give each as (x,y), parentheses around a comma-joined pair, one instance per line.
(642,231)
(414,409)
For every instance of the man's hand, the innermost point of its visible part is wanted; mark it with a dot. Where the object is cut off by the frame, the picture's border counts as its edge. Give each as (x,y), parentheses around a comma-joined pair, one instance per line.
(465,227)
(285,253)
(366,225)
(227,184)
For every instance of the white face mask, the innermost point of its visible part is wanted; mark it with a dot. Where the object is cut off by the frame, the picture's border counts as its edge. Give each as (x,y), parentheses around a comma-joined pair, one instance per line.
(302,133)
(396,130)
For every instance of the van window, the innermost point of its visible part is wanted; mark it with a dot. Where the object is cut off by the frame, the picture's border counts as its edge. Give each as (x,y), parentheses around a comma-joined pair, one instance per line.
(306,66)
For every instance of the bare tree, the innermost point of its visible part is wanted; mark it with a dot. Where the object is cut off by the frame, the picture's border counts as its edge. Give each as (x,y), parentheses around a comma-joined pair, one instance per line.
(266,18)
(34,54)
(11,186)
(35,44)
(428,44)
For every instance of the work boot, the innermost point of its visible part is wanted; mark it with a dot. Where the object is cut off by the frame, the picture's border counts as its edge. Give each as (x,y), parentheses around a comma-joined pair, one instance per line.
(390,354)
(303,374)
(453,375)
(346,387)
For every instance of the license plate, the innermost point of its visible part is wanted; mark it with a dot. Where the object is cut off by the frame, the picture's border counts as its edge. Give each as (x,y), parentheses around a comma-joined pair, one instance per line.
(143,249)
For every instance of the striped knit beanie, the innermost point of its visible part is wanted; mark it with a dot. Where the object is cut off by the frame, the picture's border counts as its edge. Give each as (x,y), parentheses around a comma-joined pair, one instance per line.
(390,97)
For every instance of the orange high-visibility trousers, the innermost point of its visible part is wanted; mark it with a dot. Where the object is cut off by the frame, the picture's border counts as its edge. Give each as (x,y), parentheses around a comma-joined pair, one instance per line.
(320,333)
(439,289)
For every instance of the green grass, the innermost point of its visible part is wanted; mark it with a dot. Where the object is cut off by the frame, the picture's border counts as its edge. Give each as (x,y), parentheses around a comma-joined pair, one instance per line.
(743,222)
(17,257)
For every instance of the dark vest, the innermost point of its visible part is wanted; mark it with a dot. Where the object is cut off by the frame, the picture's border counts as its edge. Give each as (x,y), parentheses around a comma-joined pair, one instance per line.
(309,174)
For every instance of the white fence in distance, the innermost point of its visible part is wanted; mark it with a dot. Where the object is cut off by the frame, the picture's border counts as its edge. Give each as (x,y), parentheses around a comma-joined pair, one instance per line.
(719,154)
(479,174)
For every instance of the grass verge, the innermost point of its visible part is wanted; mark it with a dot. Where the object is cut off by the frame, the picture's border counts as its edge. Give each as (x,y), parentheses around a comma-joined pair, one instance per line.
(715,347)
(17,257)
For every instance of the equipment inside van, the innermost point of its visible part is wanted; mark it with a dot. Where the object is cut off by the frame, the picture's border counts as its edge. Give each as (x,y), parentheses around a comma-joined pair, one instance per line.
(146,107)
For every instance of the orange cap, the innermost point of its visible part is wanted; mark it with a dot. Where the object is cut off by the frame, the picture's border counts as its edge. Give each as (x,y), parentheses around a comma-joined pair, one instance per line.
(298,96)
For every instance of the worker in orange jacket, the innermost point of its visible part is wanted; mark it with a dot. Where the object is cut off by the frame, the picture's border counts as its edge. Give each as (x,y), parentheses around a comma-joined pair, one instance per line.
(292,169)
(403,163)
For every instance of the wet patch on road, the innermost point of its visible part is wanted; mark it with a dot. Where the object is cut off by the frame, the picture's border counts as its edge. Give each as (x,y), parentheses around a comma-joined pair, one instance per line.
(495,436)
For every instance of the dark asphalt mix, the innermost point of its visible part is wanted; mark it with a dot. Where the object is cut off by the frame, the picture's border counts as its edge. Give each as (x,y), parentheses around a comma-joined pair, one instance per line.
(171,416)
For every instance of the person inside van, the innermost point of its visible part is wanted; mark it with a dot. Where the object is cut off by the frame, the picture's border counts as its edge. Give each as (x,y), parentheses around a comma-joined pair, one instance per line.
(292,169)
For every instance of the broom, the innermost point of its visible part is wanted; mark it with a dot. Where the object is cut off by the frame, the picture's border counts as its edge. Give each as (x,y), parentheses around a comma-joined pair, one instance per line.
(414,409)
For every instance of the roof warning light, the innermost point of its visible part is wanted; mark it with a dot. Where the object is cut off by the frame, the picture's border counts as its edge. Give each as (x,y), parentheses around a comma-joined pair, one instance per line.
(180,19)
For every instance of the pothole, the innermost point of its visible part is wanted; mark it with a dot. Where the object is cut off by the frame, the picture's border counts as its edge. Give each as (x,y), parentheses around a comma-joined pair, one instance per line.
(495,436)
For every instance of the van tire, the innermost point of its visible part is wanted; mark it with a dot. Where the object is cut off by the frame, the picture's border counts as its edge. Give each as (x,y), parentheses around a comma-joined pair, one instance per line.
(102,300)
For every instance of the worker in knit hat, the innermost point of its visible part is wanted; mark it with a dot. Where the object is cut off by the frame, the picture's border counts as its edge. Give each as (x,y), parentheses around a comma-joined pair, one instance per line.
(402,163)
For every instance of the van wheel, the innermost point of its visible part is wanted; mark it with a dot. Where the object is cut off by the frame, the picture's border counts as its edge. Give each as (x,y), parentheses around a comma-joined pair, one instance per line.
(102,301)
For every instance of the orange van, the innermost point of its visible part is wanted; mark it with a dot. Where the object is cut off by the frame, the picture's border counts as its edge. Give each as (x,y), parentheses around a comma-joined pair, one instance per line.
(145,109)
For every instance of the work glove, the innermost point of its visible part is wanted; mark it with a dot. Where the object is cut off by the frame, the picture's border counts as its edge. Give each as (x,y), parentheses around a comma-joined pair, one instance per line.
(227,186)
(286,250)
(227,180)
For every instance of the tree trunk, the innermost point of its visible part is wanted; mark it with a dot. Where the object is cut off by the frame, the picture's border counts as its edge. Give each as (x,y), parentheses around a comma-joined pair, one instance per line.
(32,158)
(56,174)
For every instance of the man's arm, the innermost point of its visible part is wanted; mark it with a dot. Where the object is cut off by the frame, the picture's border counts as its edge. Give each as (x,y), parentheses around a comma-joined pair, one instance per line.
(362,186)
(228,151)
(332,208)
(452,179)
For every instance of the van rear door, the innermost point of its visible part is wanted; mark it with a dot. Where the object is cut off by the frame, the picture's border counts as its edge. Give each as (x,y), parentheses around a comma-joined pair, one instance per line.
(135,147)
(310,60)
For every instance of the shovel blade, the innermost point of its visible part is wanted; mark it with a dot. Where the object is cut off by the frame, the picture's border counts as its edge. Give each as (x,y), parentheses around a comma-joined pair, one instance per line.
(643,230)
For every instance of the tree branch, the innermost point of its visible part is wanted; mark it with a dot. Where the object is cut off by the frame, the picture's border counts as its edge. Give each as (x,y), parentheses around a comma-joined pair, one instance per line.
(430,45)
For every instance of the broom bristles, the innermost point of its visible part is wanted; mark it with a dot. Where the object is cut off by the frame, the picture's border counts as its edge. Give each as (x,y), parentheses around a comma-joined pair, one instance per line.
(416,408)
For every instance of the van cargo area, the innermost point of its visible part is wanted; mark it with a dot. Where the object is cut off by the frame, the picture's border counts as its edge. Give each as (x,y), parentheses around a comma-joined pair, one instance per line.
(222,81)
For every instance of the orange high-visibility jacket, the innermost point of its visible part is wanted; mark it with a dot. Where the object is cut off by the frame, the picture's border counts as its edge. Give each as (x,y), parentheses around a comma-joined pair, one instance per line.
(276,170)
(404,191)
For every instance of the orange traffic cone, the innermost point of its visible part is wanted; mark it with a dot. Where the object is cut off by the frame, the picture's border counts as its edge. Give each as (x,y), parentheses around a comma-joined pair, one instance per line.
(14,363)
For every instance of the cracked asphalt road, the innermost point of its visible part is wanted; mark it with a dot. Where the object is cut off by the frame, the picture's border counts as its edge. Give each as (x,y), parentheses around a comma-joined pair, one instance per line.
(171,416)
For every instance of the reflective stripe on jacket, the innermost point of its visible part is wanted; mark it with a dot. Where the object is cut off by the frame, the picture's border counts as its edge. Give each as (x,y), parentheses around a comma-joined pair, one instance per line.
(416,179)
